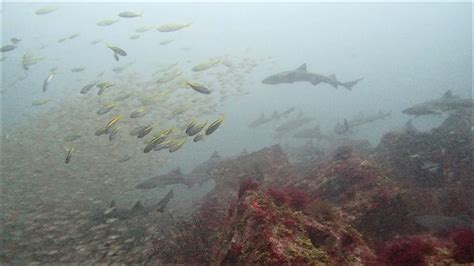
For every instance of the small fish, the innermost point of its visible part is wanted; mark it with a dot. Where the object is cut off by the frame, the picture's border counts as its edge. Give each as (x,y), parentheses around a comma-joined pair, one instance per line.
(172,27)
(124,158)
(117,50)
(214,125)
(137,130)
(101,131)
(195,129)
(122,97)
(145,28)
(138,113)
(87,88)
(94,42)
(69,154)
(206,65)
(29,59)
(134,37)
(47,81)
(112,122)
(143,132)
(40,102)
(102,86)
(169,76)
(15,41)
(163,145)
(165,68)
(198,87)
(113,135)
(198,137)
(77,69)
(129,14)
(177,145)
(61,40)
(165,42)
(7,48)
(166,132)
(73,36)
(107,22)
(153,142)
(72,137)
(190,125)
(106,108)
(101,90)
(46,10)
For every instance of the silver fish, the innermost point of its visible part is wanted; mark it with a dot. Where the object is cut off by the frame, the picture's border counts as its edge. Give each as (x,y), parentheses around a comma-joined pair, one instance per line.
(47,81)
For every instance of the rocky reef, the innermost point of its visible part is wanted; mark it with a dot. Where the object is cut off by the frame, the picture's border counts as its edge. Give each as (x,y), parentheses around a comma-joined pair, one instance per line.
(408,201)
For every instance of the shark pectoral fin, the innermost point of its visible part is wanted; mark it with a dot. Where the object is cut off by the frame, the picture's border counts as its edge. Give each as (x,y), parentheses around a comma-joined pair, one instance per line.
(302,67)
(291,77)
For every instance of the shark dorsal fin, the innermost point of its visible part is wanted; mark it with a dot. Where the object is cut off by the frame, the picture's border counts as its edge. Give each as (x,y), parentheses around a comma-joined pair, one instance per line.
(302,67)
(138,205)
(215,155)
(448,94)
(177,171)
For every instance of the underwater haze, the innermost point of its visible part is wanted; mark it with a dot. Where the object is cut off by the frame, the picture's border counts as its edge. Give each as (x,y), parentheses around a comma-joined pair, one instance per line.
(115,116)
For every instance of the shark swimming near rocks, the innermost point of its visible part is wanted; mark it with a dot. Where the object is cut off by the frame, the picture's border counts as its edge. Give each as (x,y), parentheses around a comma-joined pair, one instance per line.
(302,75)
(448,102)
(342,128)
(199,175)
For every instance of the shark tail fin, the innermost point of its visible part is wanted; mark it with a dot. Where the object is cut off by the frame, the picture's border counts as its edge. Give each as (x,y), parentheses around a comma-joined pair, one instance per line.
(348,85)
(346,124)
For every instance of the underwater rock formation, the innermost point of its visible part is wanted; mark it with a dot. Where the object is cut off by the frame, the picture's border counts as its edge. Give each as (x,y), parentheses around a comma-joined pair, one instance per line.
(259,231)
(353,205)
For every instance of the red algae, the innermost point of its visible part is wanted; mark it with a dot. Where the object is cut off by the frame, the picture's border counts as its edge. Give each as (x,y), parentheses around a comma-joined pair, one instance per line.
(464,250)
(407,251)
(291,196)
(247,184)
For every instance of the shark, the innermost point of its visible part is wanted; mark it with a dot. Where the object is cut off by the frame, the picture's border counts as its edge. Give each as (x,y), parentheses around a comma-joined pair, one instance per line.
(311,133)
(199,175)
(359,121)
(262,119)
(137,210)
(301,74)
(448,102)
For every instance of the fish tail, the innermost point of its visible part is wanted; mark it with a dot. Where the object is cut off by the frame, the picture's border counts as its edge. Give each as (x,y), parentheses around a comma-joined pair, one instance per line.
(348,85)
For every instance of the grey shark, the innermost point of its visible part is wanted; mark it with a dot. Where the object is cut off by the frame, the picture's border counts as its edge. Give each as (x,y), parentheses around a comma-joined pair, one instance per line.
(302,75)
(293,124)
(199,175)
(359,121)
(137,210)
(262,119)
(311,133)
(448,102)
